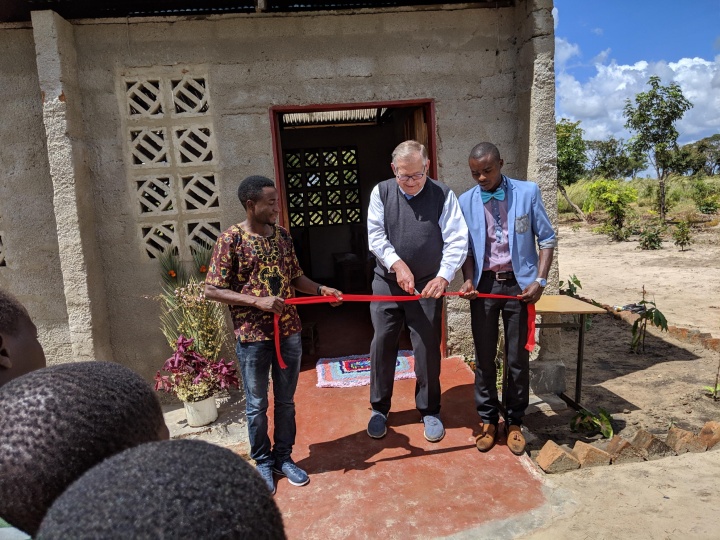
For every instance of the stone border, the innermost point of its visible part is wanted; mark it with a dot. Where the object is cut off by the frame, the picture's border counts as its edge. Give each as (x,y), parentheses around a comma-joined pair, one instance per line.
(644,447)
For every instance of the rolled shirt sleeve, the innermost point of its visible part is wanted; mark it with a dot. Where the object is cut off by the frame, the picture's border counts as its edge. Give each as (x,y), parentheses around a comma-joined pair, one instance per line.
(544,231)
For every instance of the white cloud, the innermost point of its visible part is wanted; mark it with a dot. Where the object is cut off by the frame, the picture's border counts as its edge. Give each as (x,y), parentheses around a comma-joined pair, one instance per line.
(556,17)
(564,51)
(602,57)
(598,102)
(597,31)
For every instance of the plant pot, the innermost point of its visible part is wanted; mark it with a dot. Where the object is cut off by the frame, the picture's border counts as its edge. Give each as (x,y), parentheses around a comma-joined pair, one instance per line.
(201,413)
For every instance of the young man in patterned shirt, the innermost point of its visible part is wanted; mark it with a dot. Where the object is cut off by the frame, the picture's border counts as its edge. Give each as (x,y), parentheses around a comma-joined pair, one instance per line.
(254,269)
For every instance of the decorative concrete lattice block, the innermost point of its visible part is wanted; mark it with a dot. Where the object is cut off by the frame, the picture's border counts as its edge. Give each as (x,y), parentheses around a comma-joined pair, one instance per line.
(190,96)
(193,145)
(199,192)
(157,238)
(143,98)
(149,147)
(156,195)
(172,158)
(202,233)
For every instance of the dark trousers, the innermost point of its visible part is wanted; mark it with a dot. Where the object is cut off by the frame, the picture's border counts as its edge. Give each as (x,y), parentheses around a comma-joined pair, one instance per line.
(257,363)
(423,319)
(484,317)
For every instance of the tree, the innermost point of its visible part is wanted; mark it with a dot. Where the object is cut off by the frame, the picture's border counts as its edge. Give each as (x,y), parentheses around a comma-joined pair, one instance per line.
(613,158)
(653,119)
(702,156)
(688,159)
(570,158)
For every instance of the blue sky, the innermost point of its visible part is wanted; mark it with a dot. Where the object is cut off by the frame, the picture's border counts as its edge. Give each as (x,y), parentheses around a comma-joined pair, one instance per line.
(606,50)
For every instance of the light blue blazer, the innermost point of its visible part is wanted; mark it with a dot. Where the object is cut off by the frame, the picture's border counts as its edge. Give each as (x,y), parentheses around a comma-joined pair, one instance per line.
(527,221)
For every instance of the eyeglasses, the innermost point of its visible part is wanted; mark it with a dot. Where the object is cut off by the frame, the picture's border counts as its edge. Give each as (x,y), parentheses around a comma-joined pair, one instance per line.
(408,177)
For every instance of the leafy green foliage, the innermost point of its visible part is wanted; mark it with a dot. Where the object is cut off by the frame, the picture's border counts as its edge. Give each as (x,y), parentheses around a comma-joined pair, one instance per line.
(681,235)
(587,421)
(651,236)
(614,197)
(570,152)
(705,196)
(653,119)
(713,392)
(702,156)
(573,284)
(650,314)
(613,158)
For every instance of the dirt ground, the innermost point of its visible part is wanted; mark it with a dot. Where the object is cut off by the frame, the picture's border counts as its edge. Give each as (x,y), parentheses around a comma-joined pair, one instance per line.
(665,383)
(675,497)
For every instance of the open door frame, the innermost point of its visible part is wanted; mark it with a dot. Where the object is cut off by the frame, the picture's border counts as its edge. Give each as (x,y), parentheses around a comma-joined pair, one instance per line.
(275,111)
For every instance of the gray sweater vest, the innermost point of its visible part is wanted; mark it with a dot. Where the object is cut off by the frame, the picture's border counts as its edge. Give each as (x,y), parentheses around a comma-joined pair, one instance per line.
(412,227)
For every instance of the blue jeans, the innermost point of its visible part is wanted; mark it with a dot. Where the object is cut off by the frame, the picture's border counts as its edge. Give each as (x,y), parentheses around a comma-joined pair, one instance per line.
(257,360)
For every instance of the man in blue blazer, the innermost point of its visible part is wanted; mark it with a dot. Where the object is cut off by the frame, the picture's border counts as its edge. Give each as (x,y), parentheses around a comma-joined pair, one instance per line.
(505,218)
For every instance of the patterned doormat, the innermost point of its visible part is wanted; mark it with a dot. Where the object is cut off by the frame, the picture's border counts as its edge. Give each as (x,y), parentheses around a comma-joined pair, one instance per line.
(354,370)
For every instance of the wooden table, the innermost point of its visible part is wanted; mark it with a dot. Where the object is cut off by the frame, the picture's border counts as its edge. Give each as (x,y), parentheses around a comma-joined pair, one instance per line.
(567,305)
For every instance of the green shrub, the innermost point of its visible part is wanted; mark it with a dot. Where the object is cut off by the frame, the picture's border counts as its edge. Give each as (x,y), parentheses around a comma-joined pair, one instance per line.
(651,236)
(681,235)
(705,196)
(614,197)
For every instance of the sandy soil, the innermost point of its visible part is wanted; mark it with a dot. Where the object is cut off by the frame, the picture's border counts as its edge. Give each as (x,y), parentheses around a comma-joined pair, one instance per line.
(675,497)
(685,285)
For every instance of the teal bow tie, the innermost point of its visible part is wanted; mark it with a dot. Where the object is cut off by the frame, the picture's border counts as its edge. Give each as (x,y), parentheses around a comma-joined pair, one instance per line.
(498,194)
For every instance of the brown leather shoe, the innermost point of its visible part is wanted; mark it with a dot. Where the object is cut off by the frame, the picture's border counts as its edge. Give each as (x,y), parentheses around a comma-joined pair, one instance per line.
(516,440)
(486,439)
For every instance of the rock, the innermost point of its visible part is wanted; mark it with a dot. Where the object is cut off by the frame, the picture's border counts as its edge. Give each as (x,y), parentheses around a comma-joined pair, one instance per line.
(589,456)
(553,459)
(621,451)
(710,434)
(650,446)
(683,441)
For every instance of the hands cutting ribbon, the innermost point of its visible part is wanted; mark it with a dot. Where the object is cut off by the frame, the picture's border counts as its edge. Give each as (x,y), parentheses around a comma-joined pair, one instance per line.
(529,345)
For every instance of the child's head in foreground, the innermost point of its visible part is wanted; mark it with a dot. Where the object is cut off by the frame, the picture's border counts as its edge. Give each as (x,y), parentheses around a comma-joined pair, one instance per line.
(20,350)
(172,489)
(58,422)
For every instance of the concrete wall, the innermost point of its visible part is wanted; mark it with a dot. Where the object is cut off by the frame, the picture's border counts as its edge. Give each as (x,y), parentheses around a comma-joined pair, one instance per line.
(27,221)
(479,65)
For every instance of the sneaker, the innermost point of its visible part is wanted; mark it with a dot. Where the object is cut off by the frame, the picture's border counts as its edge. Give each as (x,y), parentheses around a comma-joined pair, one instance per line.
(266,471)
(295,475)
(376,426)
(434,430)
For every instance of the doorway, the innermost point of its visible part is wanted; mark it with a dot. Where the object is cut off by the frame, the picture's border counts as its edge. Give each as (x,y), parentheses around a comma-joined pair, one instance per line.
(328,159)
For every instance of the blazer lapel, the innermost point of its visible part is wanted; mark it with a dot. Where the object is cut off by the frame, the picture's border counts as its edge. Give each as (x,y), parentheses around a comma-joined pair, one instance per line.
(512,213)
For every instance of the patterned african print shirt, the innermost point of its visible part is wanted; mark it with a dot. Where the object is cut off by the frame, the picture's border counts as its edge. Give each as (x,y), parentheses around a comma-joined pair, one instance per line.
(256,266)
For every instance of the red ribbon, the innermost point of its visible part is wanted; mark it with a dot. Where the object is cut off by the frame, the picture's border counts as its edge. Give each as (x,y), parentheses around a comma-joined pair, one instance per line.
(529,345)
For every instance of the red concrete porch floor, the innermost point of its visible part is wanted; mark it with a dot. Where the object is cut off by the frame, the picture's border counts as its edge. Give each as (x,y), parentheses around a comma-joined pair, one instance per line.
(400,486)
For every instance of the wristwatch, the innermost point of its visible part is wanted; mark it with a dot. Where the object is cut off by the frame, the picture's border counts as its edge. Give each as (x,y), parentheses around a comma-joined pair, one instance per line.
(542,282)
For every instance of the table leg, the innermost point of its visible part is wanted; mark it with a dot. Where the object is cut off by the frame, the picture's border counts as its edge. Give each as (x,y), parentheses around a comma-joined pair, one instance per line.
(580,358)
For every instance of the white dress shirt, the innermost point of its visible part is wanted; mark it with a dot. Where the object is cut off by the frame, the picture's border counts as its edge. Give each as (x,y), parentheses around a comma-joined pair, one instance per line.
(452,226)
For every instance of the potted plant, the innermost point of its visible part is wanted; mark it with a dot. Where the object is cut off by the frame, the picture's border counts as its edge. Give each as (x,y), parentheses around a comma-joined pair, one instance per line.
(196,330)
(195,379)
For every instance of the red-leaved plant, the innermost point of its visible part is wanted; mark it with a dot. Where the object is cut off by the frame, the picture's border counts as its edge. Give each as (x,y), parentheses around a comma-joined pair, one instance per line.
(192,377)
